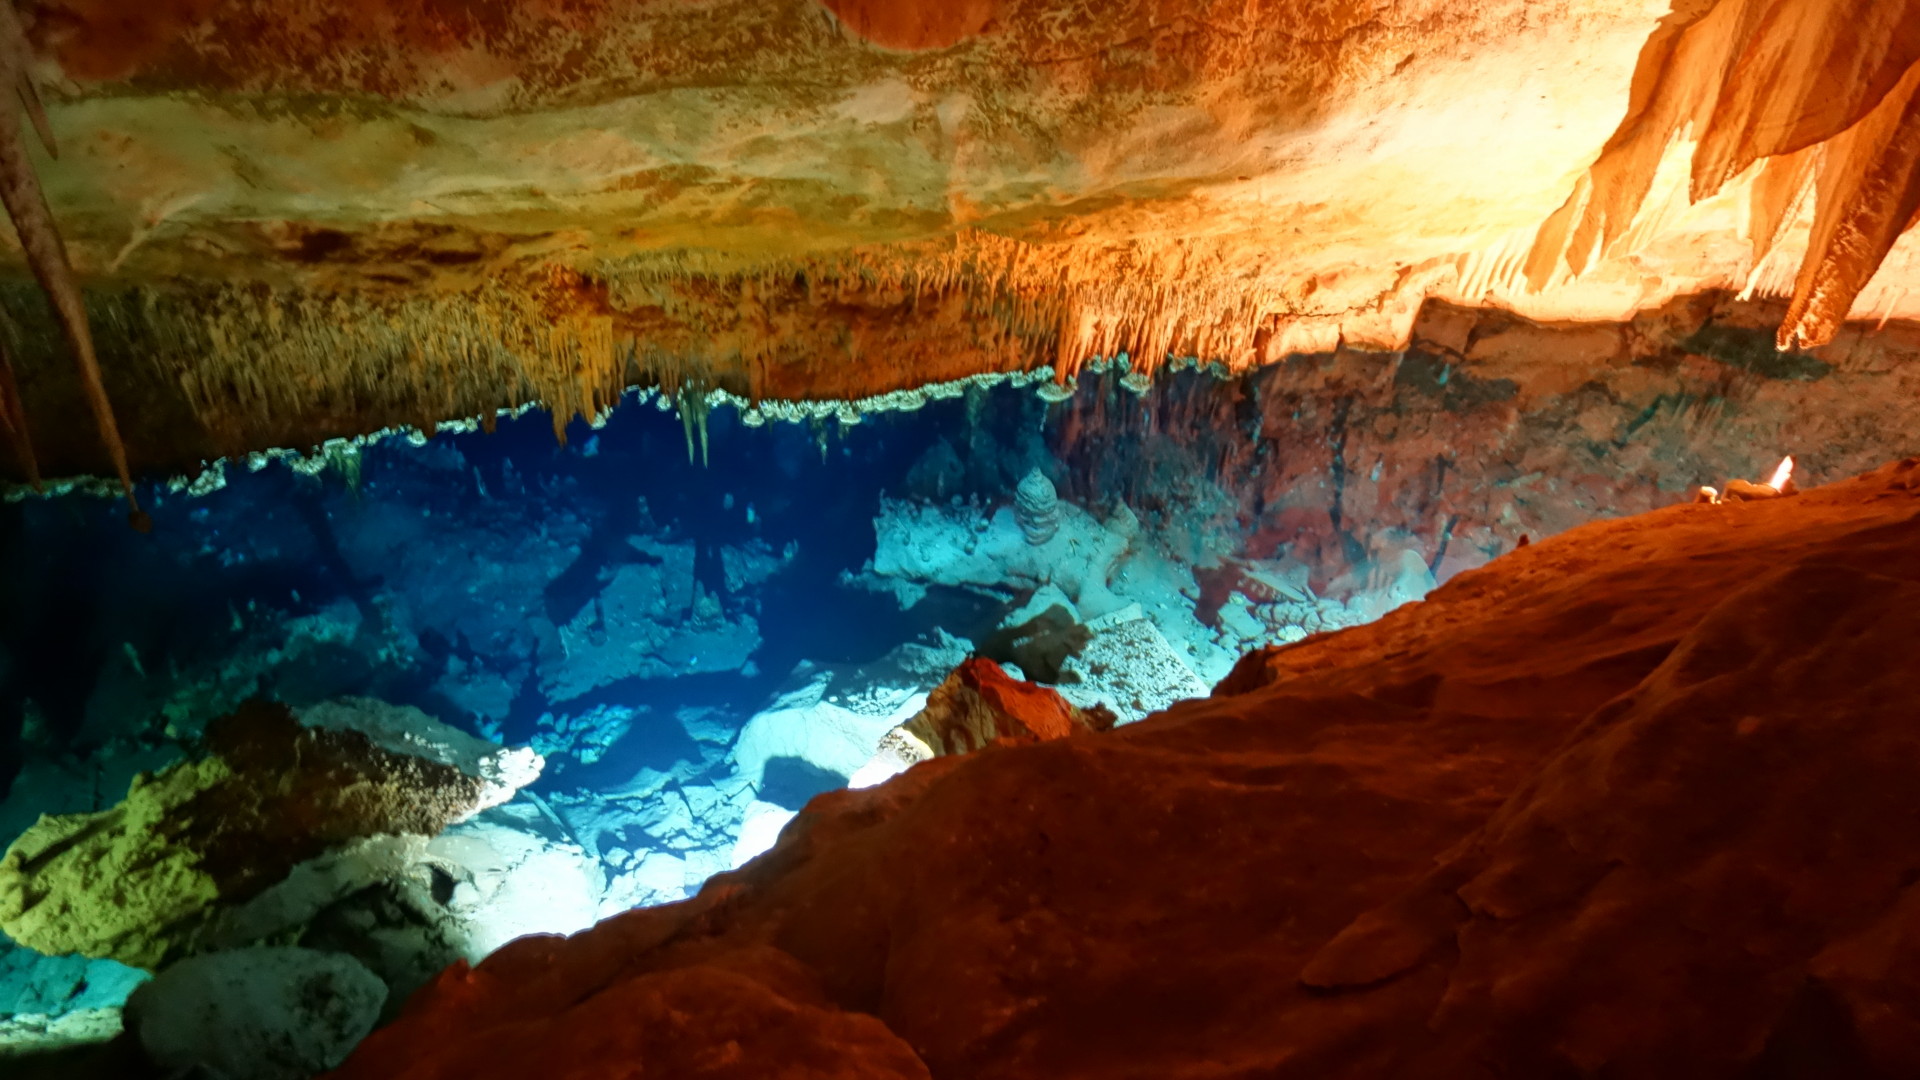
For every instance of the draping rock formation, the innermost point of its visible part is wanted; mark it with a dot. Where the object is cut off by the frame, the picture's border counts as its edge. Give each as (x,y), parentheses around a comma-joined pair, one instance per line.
(1633,799)
(1812,104)
(293,219)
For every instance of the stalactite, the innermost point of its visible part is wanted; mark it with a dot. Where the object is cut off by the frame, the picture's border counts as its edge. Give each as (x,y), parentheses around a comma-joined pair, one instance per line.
(13,417)
(1778,194)
(1869,193)
(1808,70)
(257,363)
(1821,91)
(39,237)
(691,402)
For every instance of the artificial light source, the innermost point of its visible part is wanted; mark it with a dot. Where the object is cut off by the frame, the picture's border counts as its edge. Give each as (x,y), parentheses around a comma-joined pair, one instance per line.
(1782,475)
(1780,483)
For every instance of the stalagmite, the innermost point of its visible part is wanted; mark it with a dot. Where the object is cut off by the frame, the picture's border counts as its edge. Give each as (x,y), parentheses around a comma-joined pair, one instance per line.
(40,239)
(1036,508)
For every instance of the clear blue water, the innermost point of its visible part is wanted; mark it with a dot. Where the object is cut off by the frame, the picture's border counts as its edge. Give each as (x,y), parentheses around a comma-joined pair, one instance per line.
(626,609)
(88,601)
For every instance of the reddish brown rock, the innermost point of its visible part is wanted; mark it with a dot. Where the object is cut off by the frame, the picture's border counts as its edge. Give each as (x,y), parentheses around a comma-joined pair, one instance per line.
(980,704)
(914,24)
(1632,801)
(750,1015)
(1490,427)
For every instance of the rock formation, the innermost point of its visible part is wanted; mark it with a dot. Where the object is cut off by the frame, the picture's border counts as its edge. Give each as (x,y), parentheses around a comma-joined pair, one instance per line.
(1630,799)
(1820,96)
(1039,644)
(976,706)
(1128,668)
(1036,508)
(920,544)
(46,256)
(304,218)
(255,1014)
(1489,428)
(980,705)
(187,857)
(1488,271)
(408,732)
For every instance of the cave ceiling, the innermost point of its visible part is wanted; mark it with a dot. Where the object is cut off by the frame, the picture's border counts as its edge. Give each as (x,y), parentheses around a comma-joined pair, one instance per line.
(319,216)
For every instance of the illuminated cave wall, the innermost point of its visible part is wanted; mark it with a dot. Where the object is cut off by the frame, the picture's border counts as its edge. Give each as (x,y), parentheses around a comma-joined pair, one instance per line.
(1452,314)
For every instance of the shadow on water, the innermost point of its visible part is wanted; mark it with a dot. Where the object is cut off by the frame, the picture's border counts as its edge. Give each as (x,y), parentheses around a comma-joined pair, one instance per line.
(118,1059)
(790,781)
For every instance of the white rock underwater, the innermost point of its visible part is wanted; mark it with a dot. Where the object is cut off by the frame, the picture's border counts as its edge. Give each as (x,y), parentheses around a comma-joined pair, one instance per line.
(647,674)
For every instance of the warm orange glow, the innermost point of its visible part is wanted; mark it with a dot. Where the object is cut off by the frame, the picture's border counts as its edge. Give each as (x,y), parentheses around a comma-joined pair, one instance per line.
(1782,474)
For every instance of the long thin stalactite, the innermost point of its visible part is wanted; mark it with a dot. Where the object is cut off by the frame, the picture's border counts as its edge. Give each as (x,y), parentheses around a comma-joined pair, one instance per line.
(46,254)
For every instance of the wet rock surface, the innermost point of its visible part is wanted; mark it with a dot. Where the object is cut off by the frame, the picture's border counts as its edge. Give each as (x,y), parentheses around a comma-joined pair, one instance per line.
(256,1014)
(980,705)
(1630,798)
(141,881)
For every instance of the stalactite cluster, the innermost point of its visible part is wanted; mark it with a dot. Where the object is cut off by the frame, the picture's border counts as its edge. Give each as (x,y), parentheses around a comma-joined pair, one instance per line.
(1810,102)
(47,257)
(1208,188)
(250,359)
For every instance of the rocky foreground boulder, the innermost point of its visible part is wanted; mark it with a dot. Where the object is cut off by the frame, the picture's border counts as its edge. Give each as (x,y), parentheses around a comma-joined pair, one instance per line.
(259,1013)
(1633,801)
(191,859)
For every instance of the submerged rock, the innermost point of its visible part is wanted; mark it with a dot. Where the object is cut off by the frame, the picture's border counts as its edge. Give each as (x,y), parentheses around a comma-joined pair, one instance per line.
(1635,800)
(1040,645)
(652,620)
(509,875)
(1090,567)
(978,705)
(826,721)
(584,737)
(50,1002)
(936,545)
(34,985)
(1129,667)
(255,1014)
(760,828)
(407,906)
(143,881)
(405,730)
(1036,507)
(811,737)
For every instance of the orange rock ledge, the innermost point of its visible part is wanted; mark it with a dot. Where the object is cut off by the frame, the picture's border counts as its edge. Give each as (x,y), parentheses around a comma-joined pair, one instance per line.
(1632,801)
